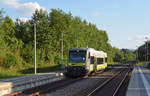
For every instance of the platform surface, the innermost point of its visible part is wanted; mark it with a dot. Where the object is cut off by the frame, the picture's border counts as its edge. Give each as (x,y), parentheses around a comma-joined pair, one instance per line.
(39,75)
(10,85)
(139,84)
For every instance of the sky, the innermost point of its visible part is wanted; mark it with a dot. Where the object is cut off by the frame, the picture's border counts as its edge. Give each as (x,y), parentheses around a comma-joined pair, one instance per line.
(127,22)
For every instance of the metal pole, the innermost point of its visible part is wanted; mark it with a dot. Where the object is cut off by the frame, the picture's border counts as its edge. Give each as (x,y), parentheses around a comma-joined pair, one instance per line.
(137,54)
(62,65)
(147,51)
(77,42)
(146,58)
(77,39)
(35,70)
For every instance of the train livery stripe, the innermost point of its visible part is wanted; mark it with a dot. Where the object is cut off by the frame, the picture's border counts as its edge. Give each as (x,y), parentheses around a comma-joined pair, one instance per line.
(102,66)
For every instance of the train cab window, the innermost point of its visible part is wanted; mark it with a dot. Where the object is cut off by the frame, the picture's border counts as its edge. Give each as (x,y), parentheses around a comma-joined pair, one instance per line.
(99,60)
(92,60)
(105,59)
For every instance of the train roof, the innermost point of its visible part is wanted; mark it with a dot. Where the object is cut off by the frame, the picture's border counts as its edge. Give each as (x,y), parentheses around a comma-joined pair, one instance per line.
(92,51)
(98,53)
(81,49)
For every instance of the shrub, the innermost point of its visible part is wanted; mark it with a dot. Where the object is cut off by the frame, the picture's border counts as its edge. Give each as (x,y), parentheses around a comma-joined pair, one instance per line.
(28,54)
(10,60)
(1,60)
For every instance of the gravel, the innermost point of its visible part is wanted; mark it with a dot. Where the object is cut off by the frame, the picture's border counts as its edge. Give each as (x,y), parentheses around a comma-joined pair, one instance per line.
(79,88)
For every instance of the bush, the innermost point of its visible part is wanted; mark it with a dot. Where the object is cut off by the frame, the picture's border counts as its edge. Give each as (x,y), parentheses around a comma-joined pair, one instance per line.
(10,60)
(28,54)
(1,60)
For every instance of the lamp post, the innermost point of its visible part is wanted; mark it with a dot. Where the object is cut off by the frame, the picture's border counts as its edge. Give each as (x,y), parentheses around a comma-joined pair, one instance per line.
(146,50)
(77,42)
(77,38)
(35,69)
(62,65)
(137,55)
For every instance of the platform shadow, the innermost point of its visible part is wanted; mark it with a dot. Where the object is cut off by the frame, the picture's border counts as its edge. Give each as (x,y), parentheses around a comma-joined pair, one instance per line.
(42,70)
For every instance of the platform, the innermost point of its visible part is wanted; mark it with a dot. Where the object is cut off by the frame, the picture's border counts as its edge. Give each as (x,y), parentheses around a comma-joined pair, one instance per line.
(10,85)
(139,84)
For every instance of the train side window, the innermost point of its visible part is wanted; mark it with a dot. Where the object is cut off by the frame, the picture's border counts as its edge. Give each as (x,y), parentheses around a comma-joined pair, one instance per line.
(92,60)
(99,60)
(89,55)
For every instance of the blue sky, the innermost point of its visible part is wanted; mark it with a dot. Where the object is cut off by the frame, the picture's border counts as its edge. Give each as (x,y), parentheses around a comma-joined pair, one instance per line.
(127,22)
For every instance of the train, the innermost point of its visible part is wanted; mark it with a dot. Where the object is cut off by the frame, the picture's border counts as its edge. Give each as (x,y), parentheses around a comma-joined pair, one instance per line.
(83,61)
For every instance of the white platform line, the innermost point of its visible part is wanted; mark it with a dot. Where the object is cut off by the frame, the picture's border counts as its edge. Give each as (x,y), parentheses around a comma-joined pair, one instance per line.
(146,84)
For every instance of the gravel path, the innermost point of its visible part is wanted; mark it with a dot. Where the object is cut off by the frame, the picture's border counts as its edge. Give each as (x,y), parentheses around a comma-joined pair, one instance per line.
(82,86)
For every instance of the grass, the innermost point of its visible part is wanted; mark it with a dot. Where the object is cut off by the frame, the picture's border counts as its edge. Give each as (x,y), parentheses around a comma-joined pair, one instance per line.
(9,73)
(113,63)
(41,69)
(26,71)
(140,64)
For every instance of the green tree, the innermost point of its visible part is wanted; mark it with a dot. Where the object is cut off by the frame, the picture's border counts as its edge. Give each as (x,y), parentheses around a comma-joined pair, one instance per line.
(8,32)
(1,15)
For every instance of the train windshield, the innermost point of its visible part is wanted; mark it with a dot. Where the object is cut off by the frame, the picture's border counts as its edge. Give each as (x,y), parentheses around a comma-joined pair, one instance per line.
(77,56)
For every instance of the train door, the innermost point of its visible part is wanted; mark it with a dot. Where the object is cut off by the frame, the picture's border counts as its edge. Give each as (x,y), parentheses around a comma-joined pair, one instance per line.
(92,63)
(104,60)
(95,63)
(88,61)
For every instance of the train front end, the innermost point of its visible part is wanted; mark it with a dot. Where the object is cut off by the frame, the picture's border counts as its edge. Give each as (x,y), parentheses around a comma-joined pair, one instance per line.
(77,63)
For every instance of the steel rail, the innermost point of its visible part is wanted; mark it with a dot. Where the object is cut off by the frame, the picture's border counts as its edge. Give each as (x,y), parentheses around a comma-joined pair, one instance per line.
(121,83)
(103,84)
(55,87)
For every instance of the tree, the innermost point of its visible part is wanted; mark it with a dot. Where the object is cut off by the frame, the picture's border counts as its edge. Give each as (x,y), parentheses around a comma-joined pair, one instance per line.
(128,55)
(8,32)
(1,15)
(18,38)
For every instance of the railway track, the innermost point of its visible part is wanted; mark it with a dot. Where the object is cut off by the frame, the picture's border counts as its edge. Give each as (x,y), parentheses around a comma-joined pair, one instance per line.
(111,86)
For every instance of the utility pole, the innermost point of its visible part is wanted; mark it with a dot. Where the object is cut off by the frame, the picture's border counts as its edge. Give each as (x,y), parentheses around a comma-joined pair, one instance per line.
(137,55)
(146,48)
(77,42)
(35,70)
(77,38)
(62,65)
(145,52)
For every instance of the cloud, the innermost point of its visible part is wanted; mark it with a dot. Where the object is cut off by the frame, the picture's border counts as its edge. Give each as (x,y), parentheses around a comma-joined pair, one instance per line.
(26,9)
(96,14)
(13,3)
(143,36)
(24,19)
(138,40)
(129,38)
